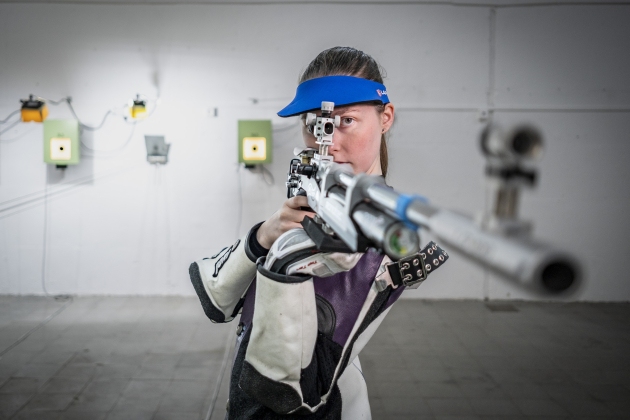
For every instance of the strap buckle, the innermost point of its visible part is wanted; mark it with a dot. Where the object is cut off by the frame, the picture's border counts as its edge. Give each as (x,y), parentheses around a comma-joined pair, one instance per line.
(408,271)
(413,270)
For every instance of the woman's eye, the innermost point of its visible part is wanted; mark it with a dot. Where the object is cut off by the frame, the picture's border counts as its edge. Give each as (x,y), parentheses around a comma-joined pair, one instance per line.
(347,120)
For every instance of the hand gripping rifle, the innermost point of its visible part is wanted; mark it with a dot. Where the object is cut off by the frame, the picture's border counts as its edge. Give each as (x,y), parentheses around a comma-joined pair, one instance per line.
(355,212)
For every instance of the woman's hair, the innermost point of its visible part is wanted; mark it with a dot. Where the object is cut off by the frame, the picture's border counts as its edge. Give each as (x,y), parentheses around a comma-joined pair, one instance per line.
(348,61)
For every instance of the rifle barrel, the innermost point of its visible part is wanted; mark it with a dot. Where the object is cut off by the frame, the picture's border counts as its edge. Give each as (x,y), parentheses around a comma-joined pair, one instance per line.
(534,265)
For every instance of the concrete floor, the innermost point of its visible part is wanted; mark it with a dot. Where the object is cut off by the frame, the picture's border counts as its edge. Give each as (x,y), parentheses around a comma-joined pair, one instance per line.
(161,358)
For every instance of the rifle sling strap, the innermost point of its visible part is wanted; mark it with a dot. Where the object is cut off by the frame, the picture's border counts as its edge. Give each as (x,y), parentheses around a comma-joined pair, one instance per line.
(413,270)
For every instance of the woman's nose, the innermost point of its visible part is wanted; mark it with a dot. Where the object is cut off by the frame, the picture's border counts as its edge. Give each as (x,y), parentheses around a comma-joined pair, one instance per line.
(337,142)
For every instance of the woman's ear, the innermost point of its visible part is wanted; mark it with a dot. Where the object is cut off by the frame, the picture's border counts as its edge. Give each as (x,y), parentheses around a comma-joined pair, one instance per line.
(387,117)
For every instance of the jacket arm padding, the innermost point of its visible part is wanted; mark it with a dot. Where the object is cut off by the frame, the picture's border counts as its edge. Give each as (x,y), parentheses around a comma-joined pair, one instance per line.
(222,280)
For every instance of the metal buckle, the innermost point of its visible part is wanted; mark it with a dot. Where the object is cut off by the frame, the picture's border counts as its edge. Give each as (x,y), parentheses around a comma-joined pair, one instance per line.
(413,270)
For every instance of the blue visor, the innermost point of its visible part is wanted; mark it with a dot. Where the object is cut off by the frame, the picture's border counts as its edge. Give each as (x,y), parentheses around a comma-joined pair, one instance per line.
(342,90)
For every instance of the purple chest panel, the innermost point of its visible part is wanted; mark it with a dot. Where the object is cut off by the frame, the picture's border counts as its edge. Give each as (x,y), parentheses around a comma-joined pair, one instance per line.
(247,313)
(347,291)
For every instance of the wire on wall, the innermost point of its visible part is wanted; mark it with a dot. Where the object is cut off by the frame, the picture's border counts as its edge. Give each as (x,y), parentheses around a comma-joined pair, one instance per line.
(45,240)
(264,173)
(239,214)
(167,219)
(92,152)
(28,201)
(8,128)
(17,111)
(82,125)
(45,251)
(90,149)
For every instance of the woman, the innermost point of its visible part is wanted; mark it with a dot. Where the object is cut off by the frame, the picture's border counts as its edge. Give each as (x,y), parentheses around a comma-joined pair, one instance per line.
(299,334)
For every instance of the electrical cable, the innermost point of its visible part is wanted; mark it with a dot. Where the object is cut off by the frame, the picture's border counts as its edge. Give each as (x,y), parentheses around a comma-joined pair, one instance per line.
(45,196)
(64,99)
(167,218)
(240,201)
(124,145)
(67,100)
(85,126)
(11,140)
(85,178)
(17,111)
(8,128)
(144,227)
(45,239)
(20,197)
(118,149)
(34,202)
(263,171)
(112,111)
(45,249)
(490,101)
(490,94)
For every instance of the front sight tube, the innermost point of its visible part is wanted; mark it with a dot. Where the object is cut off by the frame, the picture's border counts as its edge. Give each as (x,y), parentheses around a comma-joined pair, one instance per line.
(536,266)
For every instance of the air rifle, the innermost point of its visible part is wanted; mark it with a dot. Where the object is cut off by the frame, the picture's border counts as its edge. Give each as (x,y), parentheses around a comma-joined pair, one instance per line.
(355,212)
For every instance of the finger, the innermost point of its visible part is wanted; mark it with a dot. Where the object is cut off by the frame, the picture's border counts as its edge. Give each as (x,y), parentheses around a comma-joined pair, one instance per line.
(309,214)
(295,225)
(297,202)
(299,215)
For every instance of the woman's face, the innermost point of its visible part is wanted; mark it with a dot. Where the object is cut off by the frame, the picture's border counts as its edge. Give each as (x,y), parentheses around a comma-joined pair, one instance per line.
(357,140)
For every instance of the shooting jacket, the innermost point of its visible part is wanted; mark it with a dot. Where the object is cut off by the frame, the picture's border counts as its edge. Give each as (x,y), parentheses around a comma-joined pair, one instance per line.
(297,340)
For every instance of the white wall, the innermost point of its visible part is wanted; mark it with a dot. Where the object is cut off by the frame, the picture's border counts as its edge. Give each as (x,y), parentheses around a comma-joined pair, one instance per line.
(117,225)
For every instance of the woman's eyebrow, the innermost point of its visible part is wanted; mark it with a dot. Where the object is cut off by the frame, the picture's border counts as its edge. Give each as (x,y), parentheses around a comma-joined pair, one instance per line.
(343,111)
